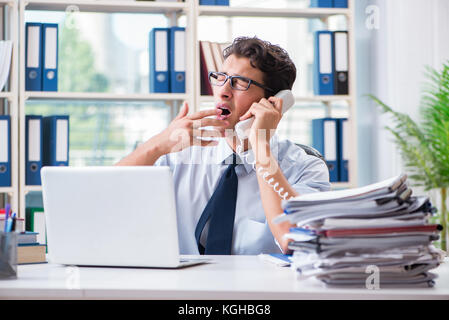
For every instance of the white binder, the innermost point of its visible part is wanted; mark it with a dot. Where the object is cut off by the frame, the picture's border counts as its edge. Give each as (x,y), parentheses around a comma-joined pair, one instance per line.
(5,61)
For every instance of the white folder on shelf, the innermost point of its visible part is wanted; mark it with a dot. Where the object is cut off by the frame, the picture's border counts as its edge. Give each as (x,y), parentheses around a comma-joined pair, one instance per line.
(5,61)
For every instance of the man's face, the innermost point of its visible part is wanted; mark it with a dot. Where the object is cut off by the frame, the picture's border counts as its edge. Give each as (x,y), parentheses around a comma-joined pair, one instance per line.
(237,102)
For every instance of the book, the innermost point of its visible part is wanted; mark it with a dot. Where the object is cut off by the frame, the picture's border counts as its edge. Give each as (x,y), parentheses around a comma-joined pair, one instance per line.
(31,254)
(35,222)
(27,237)
(207,64)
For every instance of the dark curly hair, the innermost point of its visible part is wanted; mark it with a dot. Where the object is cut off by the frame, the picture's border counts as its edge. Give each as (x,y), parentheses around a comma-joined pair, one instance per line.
(278,69)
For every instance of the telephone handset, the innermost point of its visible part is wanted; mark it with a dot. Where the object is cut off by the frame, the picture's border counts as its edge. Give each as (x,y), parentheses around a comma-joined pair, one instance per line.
(288,101)
(240,128)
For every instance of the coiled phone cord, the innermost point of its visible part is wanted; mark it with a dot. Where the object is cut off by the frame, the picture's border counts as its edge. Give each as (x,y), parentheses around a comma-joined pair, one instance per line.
(262,172)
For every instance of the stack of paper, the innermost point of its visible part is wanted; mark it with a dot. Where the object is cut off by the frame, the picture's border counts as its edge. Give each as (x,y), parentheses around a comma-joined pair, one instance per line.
(5,61)
(378,235)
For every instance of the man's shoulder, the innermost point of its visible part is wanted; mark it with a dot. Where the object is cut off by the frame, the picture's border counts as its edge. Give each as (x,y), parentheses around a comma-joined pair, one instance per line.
(193,155)
(285,148)
(290,152)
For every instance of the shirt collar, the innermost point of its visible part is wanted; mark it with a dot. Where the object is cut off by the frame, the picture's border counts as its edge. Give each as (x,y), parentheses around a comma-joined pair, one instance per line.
(225,152)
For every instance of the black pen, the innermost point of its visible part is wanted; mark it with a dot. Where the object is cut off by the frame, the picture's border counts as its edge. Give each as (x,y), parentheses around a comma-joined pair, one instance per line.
(13,226)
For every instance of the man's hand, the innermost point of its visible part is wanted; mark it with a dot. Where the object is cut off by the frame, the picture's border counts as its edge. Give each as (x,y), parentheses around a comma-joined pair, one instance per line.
(267,114)
(185,131)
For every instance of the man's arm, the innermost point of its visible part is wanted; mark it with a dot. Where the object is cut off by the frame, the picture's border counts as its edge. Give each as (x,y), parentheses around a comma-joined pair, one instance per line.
(145,154)
(267,115)
(271,200)
(183,131)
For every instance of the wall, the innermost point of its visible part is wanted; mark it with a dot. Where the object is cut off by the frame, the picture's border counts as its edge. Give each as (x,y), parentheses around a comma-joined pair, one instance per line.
(391,61)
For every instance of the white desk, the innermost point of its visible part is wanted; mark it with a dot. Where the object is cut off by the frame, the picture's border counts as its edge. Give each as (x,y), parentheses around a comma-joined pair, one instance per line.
(230,277)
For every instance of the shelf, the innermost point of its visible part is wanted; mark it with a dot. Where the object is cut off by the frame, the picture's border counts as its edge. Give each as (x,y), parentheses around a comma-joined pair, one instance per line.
(107,6)
(192,11)
(6,189)
(5,2)
(7,95)
(47,95)
(272,12)
(325,99)
(32,188)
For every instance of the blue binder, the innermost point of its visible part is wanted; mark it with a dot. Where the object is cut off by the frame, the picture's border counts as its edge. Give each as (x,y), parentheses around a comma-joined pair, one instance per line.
(321,3)
(159,64)
(343,135)
(340,3)
(5,151)
(56,141)
(222,3)
(323,64)
(207,2)
(33,149)
(50,57)
(177,60)
(325,140)
(33,59)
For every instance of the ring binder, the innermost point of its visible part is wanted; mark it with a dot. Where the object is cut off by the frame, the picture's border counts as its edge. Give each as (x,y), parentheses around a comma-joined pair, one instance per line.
(5,151)
(33,149)
(50,57)
(324,66)
(33,64)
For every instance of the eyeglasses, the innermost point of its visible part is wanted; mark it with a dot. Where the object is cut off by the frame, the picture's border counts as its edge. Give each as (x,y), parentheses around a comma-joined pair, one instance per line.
(237,82)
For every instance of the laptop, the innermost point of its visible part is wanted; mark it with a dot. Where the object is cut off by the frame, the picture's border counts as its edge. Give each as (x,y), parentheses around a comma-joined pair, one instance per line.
(112,216)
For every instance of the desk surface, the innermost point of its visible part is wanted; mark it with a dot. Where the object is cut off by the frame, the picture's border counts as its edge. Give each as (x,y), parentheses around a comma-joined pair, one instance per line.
(228,277)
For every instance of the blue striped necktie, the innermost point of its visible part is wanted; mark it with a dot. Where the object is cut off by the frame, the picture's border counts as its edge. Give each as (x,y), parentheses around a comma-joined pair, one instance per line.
(221,211)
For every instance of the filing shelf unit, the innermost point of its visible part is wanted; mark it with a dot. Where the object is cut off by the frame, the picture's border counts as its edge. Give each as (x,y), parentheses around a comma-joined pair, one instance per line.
(192,10)
(11,95)
(306,13)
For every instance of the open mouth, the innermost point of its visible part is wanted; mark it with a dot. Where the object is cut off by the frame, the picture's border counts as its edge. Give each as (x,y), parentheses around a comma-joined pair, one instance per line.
(225,112)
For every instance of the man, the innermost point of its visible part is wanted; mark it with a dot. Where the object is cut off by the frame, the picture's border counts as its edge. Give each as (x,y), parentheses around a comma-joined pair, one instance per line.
(223,205)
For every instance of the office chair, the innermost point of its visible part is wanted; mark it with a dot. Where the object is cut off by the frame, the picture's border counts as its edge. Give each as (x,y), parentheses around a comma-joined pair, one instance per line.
(311,151)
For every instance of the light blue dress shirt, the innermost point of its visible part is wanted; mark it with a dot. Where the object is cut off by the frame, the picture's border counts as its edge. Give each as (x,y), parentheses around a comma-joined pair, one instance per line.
(197,170)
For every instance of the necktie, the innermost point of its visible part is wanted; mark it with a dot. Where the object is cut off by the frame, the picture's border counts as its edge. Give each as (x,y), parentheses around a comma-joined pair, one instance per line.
(221,211)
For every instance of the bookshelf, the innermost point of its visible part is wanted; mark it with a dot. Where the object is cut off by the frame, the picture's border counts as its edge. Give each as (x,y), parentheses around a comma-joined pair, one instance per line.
(10,97)
(104,96)
(306,13)
(192,11)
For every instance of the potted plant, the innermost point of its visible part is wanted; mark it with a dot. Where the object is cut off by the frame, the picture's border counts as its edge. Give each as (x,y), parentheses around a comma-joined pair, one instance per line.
(424,147)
